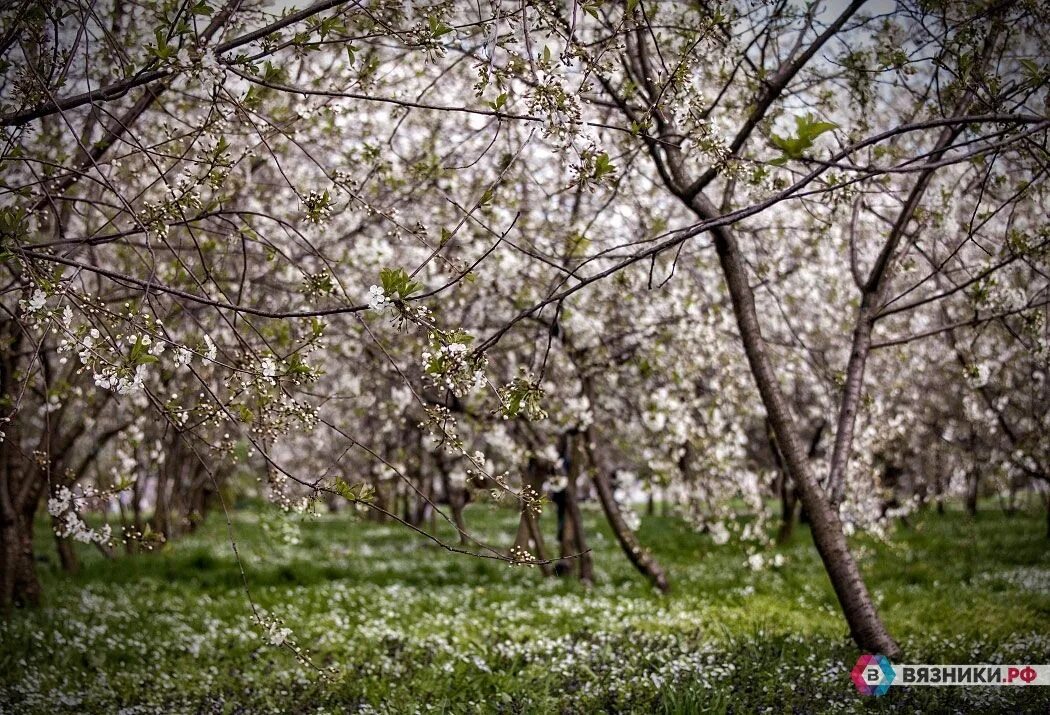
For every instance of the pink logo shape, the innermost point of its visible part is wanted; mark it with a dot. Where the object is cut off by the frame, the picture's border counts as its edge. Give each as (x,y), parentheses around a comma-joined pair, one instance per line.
(873,674)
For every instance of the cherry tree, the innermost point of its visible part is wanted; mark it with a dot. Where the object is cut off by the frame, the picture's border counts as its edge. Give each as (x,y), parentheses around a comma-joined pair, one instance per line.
(409,255)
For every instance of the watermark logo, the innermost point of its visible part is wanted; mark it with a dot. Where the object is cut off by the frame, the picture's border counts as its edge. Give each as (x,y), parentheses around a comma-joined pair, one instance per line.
(873,674)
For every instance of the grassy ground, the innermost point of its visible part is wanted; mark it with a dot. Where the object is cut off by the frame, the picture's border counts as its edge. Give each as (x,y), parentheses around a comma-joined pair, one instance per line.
(412,628)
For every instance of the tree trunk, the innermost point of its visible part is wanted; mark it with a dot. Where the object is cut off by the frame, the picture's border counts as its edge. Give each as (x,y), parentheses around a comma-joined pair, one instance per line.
(457,500)
(457,506)
(161,522)
(67,555)
(530,536)
(788,500)
(973,492)
(865,625)
(19,585)
(638,556)
(570,521)
(784,488)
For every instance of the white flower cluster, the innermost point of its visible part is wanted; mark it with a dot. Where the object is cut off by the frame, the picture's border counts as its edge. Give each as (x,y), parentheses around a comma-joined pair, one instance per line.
(757,562)
(377,298)
(268,367)
(454,367)
(455,363)
(623,500)
(63,506)
(121,382)
(210,352)
(560,109)
(274,631)
(182,356)
(318,207)
(36,301)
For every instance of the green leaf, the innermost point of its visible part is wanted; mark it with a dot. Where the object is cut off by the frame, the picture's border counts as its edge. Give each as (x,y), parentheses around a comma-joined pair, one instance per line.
(397,283)
(807,129)
(438,28)
(602,166)
(11,222)
(272,73)
(355,492)
(163,50)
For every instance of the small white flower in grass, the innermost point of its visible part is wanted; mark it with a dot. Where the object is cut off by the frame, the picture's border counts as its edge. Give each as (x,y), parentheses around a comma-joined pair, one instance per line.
(719,533)
(756,562)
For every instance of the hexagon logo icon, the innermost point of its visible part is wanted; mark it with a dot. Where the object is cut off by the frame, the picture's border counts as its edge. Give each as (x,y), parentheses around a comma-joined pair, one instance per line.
(873,674)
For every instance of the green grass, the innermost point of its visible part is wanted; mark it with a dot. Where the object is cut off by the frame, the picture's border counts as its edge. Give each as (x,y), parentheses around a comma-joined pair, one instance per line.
(410,627)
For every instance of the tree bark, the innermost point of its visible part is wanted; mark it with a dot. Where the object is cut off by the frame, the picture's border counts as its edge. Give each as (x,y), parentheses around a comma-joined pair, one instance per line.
(872,290)
(636,554)
(570,521)
(456,496)
(67,555)
(865,625)
(530,536)
(973,492)
(19,584)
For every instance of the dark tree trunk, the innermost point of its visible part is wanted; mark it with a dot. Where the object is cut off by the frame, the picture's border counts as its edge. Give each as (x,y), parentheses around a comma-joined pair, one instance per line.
(858,608)
(19,584)
(161,521)
(785,490)
(530,536)
(571,535)
(973,492)
(788,501)
(67,555)
(456,496)
(21,485)
(788,491)
(406,503)
(457,505)
(636,554)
